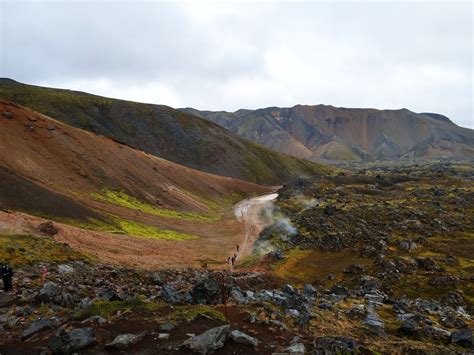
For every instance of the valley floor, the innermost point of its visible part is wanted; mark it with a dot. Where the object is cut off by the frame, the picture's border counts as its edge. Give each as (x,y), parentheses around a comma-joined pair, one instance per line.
(372,261)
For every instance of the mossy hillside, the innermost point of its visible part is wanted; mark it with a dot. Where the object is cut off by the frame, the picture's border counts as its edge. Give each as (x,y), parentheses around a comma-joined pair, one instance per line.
(122,199)
(20,250)
(162,131)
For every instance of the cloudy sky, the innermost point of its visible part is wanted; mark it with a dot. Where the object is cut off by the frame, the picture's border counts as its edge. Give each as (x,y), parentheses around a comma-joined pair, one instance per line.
(226,56)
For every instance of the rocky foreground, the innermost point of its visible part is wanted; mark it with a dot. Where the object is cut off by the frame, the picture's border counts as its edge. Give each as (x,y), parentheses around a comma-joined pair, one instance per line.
(377,261)
(99,309)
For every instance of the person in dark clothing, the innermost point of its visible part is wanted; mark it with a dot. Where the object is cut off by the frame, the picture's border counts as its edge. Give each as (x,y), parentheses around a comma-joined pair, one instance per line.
(233,260)
(7,273)
(237,247)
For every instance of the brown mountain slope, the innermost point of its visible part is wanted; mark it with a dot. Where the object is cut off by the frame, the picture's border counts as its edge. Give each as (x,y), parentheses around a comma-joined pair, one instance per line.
(162,131)
(52,170)
(339,134)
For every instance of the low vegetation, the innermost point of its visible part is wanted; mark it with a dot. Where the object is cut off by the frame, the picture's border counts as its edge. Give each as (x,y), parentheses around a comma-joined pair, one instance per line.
(21,250)
(122,199)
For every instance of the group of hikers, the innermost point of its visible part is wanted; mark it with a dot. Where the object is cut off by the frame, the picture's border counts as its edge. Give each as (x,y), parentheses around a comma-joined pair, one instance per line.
(231,259)
(6,273)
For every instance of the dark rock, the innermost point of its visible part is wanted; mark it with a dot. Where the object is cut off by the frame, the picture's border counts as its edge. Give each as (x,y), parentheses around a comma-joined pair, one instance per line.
(38,326)
(453,321)
(296,348)
(238,296)
(167,326)
(428,264)
(454,299)
(275,255)
(443,280)
(69,342)
(334,345)
(170,295)
(48,228)
(401,306)
(325,305)
(156,279)
(109,295)
(124,341)
(6,300)
(208,341)
(340,291)
(436,333)
(207,292)
(309,291)
(409,327)
(242,338)
(462,337)
(7,114)
(354,269)
(51,293)
(288,289)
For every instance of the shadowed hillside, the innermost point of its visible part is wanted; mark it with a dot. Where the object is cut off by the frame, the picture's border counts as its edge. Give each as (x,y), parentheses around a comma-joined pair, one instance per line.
(162,131)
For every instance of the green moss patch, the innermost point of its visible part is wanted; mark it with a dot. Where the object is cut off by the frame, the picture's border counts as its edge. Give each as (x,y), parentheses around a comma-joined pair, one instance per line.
(146,231)
(120,198)
(189,313)
(20,250)
(107,309)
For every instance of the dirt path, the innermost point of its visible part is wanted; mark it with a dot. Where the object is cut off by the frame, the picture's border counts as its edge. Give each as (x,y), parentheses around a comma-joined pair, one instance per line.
(249,213)
(217,240)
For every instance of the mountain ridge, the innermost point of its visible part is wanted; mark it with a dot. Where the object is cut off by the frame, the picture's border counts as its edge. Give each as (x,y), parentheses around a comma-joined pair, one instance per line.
(337,134)
(162,131)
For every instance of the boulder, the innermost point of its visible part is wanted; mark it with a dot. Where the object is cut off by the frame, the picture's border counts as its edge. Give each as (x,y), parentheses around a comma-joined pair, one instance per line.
(7,114)
(207,292)
(109,295)
(6,300)
(167,326)
(297,348)
(49,291)
(65,269)
(38,326)
(334,345)
(208,341)
(309,291)
(124,341)
(242,338)
(463,337)
(48,228)
(169,294)
(70,342)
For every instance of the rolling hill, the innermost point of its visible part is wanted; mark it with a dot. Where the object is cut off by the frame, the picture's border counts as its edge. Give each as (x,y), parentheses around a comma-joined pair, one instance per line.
(332,134)
(110,200)
(162,131)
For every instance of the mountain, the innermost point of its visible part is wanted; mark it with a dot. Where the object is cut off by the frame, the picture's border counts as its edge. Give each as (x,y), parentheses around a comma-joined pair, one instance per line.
(327,133)
(60,172)
(162,131)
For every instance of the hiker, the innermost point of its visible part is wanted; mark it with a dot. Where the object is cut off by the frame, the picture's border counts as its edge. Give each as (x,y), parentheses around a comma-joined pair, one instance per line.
(233,260)
(7,273)
(228,260)
(237,247)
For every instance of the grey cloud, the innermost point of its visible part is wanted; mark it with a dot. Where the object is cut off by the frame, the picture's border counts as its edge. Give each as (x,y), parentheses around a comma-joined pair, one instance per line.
(234,55)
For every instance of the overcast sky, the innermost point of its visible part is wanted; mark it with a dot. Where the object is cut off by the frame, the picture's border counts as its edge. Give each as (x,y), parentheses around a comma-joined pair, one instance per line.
(226,56)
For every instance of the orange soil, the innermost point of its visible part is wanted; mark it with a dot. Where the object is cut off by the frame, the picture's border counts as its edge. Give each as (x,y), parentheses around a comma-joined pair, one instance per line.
(77,163)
